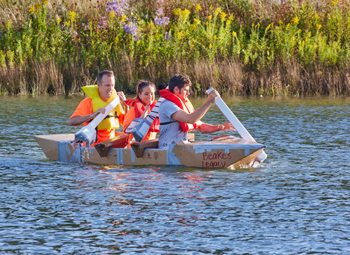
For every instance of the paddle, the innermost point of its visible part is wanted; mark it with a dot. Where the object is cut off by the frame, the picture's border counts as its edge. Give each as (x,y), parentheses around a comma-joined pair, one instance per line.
(141,128)
(242,131)
(120,141)
(88,133)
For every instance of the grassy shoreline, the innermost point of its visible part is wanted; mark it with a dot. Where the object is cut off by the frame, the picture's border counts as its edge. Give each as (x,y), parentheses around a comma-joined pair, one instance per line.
(293,48)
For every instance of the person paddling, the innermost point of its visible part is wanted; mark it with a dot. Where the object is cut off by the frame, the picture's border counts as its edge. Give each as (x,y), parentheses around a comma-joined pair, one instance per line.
(177,115)
(141,106)
(98,97)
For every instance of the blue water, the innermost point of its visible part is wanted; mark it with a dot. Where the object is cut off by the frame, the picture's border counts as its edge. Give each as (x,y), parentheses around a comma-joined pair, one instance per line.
(296,203)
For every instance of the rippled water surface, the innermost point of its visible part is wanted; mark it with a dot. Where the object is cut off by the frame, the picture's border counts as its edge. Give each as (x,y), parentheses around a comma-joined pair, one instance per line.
(298,202)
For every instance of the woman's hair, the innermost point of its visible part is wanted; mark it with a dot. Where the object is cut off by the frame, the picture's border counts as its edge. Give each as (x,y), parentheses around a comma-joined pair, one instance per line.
(141,84)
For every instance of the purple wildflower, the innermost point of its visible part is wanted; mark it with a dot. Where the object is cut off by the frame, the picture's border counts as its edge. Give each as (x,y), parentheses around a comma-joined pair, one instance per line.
(161,21)
(160,12)
(131,28)
(167,36)
(118,6)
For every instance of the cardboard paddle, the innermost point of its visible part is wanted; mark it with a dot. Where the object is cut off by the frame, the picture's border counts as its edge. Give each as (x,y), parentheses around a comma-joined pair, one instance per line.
(88,133)
(141,128)
(231,117)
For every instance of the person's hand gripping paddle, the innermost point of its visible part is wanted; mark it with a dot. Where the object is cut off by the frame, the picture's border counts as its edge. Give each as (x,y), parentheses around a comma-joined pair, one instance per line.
(88,133)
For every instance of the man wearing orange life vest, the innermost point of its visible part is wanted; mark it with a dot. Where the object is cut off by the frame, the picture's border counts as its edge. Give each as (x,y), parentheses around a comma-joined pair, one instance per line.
(177,115)
(98,97)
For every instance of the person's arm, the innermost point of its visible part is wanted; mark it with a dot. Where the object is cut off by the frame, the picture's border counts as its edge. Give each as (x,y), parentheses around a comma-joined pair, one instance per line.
(78,120)
(83,113)
(209,128)
(198,113)
(122,101)
(145,112)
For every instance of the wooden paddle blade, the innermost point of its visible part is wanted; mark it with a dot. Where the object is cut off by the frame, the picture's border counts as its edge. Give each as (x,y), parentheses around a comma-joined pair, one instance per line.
(119,141)
(139,147)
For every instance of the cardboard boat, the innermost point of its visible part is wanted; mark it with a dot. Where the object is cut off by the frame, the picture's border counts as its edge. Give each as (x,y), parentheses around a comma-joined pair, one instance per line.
(230,152)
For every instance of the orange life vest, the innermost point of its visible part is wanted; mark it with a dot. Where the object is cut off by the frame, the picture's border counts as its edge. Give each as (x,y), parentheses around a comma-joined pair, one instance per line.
(136,110)
(185,106)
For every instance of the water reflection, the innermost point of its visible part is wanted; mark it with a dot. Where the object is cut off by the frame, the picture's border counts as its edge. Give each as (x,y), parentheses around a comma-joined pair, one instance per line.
(296,203)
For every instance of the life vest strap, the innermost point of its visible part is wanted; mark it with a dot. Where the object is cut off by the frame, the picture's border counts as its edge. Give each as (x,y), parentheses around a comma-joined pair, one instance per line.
(167,123)
(111,116)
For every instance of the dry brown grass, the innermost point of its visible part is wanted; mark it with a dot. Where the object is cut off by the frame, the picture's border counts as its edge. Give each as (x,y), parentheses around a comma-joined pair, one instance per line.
(228,77)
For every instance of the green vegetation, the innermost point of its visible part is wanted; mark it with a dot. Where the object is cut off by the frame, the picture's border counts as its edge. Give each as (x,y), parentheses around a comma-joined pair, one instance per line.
(240,47)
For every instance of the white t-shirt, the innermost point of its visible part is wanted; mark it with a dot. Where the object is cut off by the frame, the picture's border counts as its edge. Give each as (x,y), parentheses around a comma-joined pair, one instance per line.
(170,132)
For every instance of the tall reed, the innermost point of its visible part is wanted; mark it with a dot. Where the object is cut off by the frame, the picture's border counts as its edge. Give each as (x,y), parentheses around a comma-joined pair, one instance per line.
(240,47)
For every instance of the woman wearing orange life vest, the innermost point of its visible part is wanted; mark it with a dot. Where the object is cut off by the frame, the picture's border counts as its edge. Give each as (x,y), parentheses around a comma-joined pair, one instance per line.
(141,106)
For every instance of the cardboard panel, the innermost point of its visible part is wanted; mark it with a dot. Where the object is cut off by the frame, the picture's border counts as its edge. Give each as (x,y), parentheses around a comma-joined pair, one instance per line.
(225,153)
(150,157)
(207,158)
(91,156)
(49,143)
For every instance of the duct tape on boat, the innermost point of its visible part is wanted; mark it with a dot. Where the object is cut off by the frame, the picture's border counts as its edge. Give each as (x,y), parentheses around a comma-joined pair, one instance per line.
(132,155)
(67,153)
(172,159)
(203,147)
(120,160)
(200,148)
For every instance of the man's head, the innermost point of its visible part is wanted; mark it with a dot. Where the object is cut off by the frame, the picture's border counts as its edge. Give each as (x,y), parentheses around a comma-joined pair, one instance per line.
(180,85)
(105,82)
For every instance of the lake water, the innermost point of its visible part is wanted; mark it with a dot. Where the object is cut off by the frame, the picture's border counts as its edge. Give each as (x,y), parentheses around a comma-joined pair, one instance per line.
(298,202)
